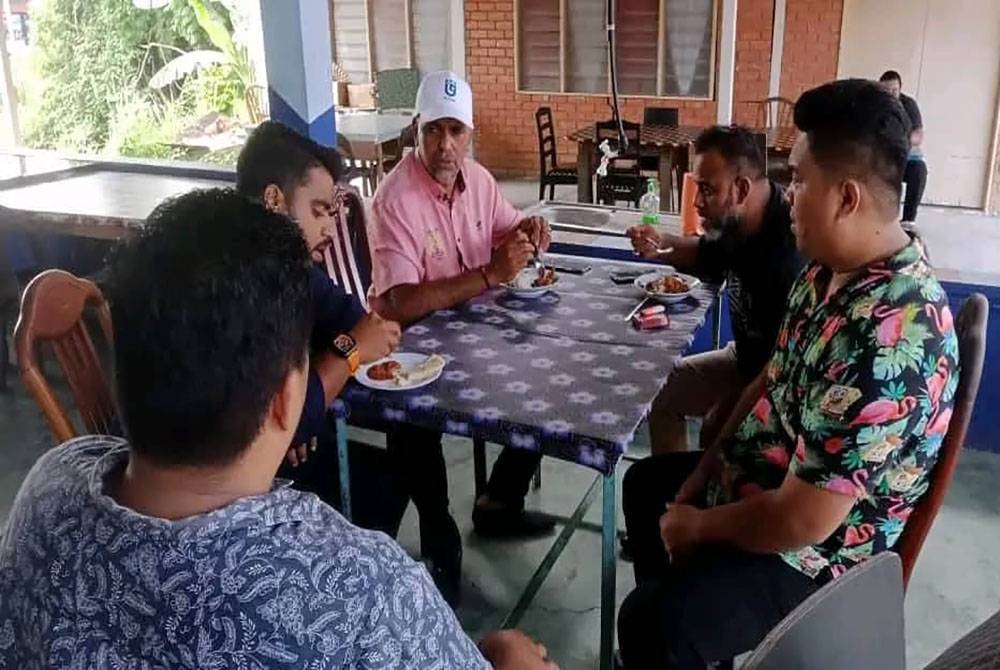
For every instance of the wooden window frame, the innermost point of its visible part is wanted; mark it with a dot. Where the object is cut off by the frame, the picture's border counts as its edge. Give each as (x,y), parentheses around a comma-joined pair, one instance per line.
(660,58)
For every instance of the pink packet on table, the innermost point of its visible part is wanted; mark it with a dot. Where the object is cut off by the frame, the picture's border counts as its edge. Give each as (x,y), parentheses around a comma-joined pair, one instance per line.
(652,322)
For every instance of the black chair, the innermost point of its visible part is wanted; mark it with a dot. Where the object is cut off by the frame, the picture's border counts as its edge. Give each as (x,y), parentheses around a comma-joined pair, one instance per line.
(550,172)
(660,116)
(624,179)
(864,608)
(657,116)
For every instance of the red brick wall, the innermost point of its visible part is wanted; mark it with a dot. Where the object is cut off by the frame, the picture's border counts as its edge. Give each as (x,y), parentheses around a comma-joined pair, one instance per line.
(754,24)
(812,45)
(505,123)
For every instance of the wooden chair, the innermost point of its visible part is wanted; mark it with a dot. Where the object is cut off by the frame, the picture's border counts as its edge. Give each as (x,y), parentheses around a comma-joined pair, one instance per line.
(624,179)
(774,112)
(356,169)
(348,258)
(550,173)
(52,312)
(393,152)
(970,326)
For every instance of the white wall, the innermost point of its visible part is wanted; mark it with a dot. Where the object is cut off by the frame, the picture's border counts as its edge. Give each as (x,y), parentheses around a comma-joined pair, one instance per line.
(948,53)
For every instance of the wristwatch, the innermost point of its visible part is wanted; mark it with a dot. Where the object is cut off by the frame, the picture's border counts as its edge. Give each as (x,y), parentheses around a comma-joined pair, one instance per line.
(345,347)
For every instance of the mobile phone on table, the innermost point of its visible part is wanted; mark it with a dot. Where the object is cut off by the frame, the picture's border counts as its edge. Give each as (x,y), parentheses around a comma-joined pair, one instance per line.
(569,267)
(626,276)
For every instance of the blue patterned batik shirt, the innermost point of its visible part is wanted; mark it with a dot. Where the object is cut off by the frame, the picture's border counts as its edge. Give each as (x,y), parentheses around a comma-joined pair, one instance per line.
(273,581)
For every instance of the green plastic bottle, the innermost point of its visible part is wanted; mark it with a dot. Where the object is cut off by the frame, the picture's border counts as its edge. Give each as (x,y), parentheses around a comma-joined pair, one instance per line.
(649,203)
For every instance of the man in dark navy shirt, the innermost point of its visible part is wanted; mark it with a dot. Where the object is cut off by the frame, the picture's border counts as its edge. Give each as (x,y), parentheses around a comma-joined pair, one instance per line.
(294,176)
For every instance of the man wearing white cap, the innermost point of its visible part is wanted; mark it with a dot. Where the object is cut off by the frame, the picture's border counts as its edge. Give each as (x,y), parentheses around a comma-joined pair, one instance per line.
(442,234)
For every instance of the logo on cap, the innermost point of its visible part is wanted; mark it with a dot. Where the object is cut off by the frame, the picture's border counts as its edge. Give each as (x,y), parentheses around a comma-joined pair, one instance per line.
(450,88)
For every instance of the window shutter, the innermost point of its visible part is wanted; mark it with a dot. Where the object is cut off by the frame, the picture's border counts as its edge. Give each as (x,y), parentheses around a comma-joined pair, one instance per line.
(688,47)
(350,39)
(586,46)
(637,28)
(431,49)
(389,33)
(538,45)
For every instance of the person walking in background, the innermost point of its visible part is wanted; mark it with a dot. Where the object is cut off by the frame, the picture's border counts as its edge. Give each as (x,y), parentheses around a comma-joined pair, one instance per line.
(915,176)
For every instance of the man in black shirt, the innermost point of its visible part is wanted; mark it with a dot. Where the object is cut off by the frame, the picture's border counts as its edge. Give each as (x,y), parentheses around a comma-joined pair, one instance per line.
(750,244)
(915,176)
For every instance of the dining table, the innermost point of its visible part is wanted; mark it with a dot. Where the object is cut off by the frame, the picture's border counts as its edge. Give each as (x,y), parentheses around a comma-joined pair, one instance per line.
(106,200)
(564,374)
(369,132)
(671,145)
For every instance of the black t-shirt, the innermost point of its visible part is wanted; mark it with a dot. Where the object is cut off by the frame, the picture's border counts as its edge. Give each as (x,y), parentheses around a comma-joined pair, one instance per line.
(912,111)
(759,274)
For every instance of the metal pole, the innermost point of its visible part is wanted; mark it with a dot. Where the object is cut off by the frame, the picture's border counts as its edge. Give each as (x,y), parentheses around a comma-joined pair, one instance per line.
(10,93)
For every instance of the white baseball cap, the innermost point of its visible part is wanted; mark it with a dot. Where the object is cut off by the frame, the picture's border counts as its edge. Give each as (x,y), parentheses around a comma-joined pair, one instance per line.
(444,95)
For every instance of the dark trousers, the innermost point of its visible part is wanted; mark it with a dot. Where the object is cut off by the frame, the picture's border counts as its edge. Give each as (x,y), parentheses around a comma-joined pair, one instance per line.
(418,460)
(377,499)
(915,177)
(716,605)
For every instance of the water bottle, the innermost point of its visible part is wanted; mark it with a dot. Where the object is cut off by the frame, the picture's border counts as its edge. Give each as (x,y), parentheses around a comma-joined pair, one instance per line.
(649,204)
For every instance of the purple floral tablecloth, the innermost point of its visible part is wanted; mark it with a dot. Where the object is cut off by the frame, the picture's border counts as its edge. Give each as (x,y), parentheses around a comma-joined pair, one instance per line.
(562,373)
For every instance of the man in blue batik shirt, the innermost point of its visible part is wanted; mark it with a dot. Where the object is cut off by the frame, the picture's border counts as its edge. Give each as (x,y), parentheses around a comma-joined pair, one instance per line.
(176,547)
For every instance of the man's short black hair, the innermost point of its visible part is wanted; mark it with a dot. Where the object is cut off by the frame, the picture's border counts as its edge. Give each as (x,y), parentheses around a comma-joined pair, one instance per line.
(891,75)
(276,154)
(211,310)
(858,129)
(739,147)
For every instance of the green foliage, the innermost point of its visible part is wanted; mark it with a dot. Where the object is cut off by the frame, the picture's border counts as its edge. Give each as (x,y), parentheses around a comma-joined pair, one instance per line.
(92,57)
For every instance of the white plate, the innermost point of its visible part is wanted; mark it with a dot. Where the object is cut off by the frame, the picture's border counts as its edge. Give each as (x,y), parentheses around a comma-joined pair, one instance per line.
(407,360)
(667,298)
(521,286)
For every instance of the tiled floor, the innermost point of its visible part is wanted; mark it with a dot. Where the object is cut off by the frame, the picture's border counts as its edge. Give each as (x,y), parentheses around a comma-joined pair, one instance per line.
(954,588)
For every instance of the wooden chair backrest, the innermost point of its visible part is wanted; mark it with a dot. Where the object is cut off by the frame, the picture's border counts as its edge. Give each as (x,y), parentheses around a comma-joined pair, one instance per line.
(774,112)
(546,140)
(970,326)
(52,312)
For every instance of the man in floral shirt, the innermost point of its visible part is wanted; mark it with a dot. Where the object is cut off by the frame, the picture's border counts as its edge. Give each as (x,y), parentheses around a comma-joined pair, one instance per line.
(830,449)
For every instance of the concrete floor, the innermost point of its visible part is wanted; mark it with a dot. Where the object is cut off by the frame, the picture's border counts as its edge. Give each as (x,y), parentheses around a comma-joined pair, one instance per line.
(954,588)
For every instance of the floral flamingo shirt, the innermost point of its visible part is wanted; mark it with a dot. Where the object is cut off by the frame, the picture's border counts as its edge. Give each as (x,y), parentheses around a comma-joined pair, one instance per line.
(859,396)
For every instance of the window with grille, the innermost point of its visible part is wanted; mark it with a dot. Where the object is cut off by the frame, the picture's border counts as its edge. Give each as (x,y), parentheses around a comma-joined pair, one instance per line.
(374,35)
(664,48)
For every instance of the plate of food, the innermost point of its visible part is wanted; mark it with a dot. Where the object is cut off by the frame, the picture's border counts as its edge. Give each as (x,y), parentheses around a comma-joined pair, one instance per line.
(667,287)
(531,283)
(401,372)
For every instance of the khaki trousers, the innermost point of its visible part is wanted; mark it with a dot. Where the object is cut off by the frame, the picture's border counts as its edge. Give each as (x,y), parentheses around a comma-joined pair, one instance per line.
(705,385)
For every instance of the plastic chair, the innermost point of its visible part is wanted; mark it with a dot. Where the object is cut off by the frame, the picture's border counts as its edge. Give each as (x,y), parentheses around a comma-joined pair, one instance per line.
(854,621)
(550,172)
(970,326)
(397,89)
(52,312)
